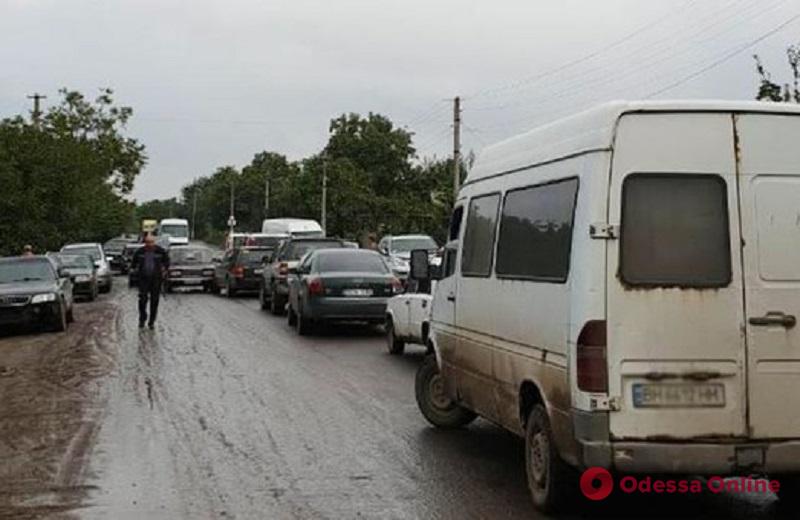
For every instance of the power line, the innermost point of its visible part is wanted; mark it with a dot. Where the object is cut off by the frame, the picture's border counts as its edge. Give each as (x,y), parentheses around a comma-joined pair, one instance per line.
(726,57)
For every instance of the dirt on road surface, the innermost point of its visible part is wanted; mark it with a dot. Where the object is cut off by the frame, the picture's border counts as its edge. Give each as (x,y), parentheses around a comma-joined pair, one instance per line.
(223,411)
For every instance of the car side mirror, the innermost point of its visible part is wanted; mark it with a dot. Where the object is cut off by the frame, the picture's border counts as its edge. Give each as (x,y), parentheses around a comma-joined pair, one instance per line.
(420,267)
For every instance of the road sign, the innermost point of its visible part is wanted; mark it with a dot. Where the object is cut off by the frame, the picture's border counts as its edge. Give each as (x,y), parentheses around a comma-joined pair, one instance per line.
(231,221)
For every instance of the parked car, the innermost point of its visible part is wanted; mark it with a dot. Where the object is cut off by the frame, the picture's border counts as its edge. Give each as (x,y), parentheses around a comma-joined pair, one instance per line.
(397,250)
(240,270)
(408,316)
(105,277)
(626,295)
(83,274)
(130,249)
(114,250)
(342,284)
(190,266)
(34,293)
(273,289)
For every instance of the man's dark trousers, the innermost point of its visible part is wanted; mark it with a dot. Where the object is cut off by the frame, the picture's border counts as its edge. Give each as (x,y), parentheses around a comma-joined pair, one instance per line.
(149,289)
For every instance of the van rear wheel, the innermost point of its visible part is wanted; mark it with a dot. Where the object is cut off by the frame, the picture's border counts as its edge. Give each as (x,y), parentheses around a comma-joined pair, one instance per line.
(433,401)
(551,481)
(394,345)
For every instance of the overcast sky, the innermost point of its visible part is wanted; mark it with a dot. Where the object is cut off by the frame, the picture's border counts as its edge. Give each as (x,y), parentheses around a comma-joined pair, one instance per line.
(214,82)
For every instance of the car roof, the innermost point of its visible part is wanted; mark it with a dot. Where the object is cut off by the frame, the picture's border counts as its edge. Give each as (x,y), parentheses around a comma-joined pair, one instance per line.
(593,130)
(81,244)
(20,258)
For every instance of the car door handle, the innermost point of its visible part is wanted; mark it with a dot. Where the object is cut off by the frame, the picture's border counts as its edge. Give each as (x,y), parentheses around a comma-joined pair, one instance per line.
(774,318)
(408,302)
(451,297)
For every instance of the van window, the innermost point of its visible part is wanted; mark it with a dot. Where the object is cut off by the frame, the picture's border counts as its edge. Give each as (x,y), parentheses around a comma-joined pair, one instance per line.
(675,231)
(455,223)
(479,235)
(536,232)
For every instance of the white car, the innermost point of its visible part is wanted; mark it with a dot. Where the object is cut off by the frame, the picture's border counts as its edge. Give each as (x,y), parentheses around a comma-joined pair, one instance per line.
(408,319)
(95,251)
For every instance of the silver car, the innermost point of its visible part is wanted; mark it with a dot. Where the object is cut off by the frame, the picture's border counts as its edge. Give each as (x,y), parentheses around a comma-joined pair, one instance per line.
(95,251)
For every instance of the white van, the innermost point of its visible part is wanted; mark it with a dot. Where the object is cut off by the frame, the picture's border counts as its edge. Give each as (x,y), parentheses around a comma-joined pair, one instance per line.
(621,288)
(176,230)
(296,227)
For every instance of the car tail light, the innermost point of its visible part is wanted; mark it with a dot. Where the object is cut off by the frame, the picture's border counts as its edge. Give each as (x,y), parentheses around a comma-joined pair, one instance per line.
(315,287)
(592,365)
(237,271)
(397,286)
(283,269)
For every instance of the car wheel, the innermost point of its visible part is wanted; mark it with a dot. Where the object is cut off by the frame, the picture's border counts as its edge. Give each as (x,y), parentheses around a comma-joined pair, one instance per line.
(70,315)
(551,481)
(437,407)
(261,296)
(93,293)
(214,286)
(394,345)
(130,283)
(304,325)
(291,315)
(229,290)
(60,320)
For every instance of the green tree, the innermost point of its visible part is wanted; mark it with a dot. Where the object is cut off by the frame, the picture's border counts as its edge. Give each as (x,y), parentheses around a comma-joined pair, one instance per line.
(769,90)
(65,176)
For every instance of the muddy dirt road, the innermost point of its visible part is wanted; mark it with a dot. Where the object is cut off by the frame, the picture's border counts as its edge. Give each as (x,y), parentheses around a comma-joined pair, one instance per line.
(224,412)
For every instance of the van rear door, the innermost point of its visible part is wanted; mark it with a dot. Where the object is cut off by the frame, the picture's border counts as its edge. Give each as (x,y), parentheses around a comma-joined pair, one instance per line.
(769,166)
(675,310)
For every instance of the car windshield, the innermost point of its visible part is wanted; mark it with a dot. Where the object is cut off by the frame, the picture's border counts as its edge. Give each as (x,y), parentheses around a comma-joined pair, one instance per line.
(92,251)
(26,271)
(268,242)
(76,261)
(296,250)
(351,261)
(254,256)
(199,255)
(115,245)
(175,230)
(406,245)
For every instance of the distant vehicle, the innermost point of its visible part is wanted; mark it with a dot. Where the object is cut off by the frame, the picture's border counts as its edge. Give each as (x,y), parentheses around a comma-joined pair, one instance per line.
(149,226)
(350,244)
(114,250)
(83,273)
(175,229)
(397,250)
(190,266)
(621,289)
(240,270)
(127,253)
(269,240)
(295,227)
(273,290)
(105,277)
(408,317)
(339,285)
(34,293)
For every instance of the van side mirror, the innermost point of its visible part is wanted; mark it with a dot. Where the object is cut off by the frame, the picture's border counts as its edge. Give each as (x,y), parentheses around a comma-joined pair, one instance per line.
(420,267)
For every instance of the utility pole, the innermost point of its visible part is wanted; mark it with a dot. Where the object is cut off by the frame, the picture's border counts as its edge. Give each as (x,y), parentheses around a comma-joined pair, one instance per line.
(231,218)
(456,145)
(36,97)
(194,212)
(266,195)
(325,191)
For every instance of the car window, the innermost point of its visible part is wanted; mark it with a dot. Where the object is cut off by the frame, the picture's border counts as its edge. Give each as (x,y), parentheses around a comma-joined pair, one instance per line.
(190,256)
(92,251)
(406,245)
(76,261)
(26,271)
(536,232)
(296,250)
(351,261)
(175,230)
(476,259)
(252,256)
(455,223)
(675,231)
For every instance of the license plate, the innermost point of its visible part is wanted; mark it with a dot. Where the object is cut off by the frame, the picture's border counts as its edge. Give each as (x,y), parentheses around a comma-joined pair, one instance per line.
(357,292)
(678,395)
(258,271)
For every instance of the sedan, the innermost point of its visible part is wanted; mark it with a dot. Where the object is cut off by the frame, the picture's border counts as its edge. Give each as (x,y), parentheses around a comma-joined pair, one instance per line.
(83,274)
(34,291)
(340,285)
(190,266)
(95,250)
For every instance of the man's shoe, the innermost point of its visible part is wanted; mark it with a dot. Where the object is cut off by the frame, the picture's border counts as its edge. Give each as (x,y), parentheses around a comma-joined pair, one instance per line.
(141,324)
(151,325)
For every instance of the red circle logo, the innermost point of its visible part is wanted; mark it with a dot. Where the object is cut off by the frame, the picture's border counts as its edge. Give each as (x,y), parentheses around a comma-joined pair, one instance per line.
(596,483)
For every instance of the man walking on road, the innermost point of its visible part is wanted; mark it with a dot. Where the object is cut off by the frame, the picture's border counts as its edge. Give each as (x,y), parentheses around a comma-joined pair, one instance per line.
(149,262)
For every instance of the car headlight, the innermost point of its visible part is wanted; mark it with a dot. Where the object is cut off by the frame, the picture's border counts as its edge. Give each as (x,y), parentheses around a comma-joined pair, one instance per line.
(83,278)
(44,298)
(174,273)
(208,272)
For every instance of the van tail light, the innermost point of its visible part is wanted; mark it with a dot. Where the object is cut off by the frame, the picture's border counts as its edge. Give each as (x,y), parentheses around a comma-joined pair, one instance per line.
(283,269)
(397,286)
(591,357)
(315,287)
(237,271)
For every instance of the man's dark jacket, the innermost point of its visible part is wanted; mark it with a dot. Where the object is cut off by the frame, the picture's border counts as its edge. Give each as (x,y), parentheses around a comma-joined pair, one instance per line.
(160,263)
